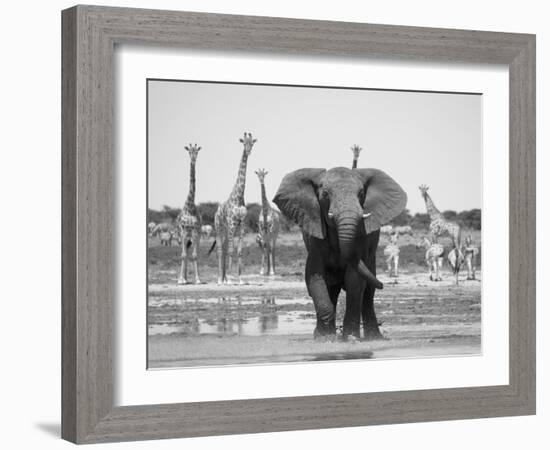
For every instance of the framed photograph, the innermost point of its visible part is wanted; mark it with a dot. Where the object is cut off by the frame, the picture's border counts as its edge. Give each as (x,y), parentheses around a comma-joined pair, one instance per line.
(278,224)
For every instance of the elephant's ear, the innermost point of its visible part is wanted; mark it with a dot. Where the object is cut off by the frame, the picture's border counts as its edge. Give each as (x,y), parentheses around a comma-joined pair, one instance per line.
(297,200)
(384,198)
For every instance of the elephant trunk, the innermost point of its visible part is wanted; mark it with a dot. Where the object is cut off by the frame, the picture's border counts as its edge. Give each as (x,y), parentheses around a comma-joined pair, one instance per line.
(347,235)
(348,226)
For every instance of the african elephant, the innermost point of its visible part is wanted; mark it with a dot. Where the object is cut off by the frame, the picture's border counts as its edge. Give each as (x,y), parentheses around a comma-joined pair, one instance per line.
(340,212)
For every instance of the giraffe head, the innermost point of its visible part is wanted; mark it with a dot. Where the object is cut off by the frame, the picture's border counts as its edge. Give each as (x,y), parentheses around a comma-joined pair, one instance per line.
(356,150)
(193,150)
(248,142)
(423,189)
(261,174)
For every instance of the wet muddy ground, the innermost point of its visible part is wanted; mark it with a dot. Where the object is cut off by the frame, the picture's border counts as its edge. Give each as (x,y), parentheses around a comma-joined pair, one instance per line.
(271,319)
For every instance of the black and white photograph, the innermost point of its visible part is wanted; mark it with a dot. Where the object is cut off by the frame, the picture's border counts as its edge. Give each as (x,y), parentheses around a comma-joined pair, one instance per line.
(304,223)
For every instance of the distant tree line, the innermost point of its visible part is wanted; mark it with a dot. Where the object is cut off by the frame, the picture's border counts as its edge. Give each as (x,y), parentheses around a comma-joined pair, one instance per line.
(208,211)
(467,219)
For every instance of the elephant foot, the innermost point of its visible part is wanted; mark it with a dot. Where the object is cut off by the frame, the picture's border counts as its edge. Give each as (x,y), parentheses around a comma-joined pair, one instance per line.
(350,337)
(325,338)
(371,332)
(325,332)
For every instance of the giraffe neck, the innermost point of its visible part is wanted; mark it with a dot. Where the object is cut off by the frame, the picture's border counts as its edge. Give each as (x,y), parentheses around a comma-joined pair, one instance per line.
(354,165)
(190,202)
(430,207)
(237,195)
(265,204)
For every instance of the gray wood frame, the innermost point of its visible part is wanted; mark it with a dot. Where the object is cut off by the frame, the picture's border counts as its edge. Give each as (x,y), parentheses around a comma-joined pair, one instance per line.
(89,36)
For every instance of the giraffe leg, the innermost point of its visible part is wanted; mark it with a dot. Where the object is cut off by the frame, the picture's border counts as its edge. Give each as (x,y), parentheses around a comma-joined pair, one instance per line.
(230,250)
(274,239)
(396,263)
(194,255)
(268,254)
(182,279)
(263,260)
(240,250)
(221,257)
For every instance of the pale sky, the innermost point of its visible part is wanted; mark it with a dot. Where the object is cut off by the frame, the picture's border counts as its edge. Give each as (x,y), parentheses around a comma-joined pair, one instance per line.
(417,138)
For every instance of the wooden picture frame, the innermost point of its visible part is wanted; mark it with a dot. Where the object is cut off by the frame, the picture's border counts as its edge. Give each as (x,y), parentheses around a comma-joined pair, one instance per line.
(89,37)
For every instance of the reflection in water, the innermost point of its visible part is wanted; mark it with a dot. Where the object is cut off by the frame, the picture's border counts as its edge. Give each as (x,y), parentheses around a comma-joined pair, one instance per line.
(233,316)
(268,322)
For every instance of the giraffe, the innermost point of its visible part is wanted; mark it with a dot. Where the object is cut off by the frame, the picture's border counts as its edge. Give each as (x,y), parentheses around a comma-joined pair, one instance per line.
(456,259)
(189,222)
(438,224)
(229,219)
(268,225)
(470,253)
(356,150)
(391,252)
(433,257)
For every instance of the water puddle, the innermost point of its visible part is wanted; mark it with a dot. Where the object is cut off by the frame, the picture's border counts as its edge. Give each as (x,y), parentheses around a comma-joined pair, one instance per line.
(237,301)
(266,324)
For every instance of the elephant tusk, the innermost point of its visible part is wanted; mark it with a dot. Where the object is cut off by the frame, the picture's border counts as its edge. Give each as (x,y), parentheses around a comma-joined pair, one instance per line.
(366,215)
(331,215)
(364,270)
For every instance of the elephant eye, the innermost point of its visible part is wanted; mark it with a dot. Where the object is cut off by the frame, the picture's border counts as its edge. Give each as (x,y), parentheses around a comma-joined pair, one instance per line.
(324,194)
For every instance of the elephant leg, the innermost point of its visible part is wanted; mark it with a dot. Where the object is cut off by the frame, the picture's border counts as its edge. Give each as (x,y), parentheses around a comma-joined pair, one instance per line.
(371,329)
(325,311)
(334,292)
(370,322)
(355,288)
